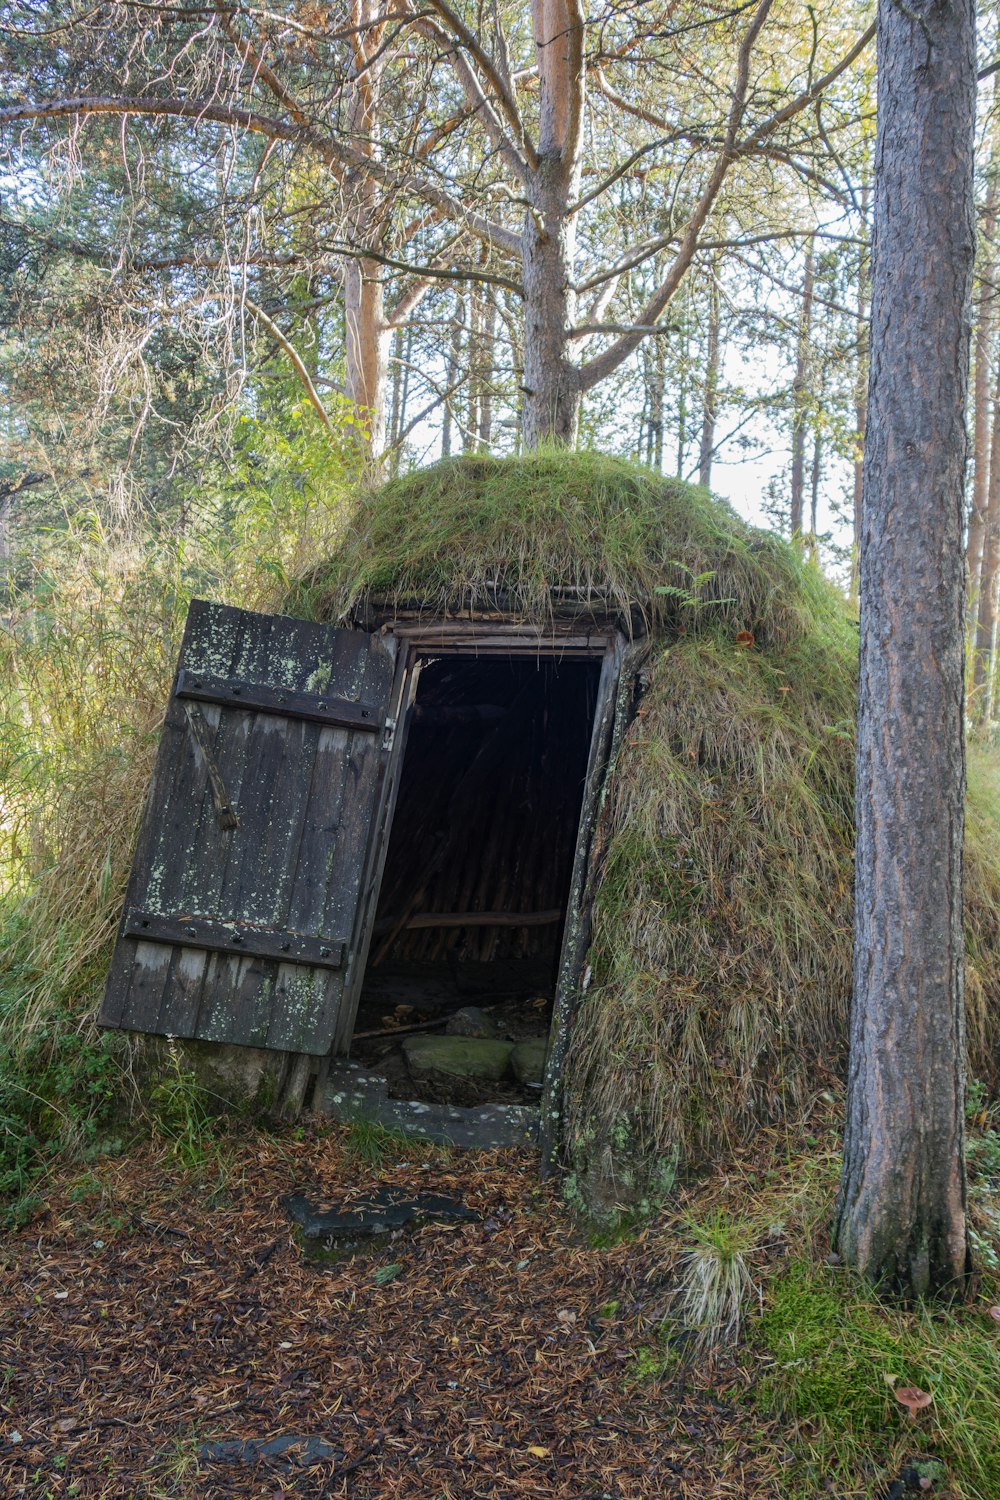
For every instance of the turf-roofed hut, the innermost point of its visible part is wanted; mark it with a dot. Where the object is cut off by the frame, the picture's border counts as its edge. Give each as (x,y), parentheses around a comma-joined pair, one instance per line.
(601,815)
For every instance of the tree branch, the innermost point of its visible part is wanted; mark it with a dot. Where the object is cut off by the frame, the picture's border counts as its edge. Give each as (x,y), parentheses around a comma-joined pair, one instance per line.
(803,101)
(609,359)
(505,99)
(294,358)
(336,154)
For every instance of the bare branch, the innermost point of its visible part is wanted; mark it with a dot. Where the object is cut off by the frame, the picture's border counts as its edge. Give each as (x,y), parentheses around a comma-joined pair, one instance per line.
(803,100)
(338,155)
(294,357)
(505,99)
(609,359)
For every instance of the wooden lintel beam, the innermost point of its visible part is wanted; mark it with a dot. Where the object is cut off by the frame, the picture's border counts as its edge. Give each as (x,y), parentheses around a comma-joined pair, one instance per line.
(426,919)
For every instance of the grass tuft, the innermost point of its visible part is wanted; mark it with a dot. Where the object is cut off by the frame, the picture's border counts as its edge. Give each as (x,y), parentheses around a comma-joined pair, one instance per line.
(715,1284)
(376,1145)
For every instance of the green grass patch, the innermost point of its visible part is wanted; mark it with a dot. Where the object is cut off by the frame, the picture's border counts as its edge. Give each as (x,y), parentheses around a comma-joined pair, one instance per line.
(60,1085)
(375,1145)
(469,530)
(837,1352)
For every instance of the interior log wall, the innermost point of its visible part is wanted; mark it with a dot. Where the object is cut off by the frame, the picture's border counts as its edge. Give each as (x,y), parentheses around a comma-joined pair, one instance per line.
(488,809)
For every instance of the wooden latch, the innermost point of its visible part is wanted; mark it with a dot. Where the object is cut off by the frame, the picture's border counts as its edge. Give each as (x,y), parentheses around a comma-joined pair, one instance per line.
(198,725)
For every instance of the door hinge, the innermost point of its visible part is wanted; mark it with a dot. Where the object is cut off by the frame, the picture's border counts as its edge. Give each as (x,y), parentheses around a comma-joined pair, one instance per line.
(389,734)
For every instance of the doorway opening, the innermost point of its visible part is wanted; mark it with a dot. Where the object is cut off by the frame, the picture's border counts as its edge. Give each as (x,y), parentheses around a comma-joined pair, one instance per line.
(457,997)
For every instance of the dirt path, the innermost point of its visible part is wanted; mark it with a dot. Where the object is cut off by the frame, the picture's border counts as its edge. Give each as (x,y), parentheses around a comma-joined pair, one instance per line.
(147,1312)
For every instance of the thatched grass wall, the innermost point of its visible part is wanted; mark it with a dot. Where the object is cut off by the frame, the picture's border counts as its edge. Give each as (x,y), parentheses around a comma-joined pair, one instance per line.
(722,921)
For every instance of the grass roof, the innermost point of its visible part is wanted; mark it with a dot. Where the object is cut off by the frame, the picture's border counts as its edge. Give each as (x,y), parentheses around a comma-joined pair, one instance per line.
(466,530)
(721,952)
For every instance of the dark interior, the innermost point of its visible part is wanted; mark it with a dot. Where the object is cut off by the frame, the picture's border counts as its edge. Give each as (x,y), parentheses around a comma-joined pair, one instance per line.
(479,861)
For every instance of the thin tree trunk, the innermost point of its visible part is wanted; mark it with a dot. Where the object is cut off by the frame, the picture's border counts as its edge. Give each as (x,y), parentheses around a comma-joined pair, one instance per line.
(395,427)
(901,1215)
(860,392)
(682,413)
(654,405)
(451,374)
(981,394)
(800,398)
(660,365)
(817,470)
(985,612)
(474,355)
(366,333)
(486,375)
(710,410)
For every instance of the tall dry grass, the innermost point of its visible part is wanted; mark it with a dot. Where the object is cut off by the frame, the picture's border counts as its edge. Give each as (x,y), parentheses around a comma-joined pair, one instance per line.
(92,624)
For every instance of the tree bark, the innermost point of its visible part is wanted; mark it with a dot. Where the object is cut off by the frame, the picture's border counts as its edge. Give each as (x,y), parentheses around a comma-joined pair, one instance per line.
(985,612)
(706,451)
(860,393)
(551,380)
(981,396)
(901,1214)
(800,395)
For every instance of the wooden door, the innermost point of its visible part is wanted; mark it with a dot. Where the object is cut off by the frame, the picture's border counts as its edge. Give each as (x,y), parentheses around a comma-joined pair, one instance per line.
(243,901)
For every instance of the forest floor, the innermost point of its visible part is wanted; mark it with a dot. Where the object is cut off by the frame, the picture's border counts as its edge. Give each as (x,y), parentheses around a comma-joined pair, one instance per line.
(150,1310)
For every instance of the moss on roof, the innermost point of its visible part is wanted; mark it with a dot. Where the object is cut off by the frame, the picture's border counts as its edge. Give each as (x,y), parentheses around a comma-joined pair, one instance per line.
(466,530)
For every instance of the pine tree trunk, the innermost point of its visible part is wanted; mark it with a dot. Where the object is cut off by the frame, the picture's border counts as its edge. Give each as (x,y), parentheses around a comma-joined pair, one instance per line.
(367,336)
(860,393)
(367,361)
(901,1216)
(551,381)
(800,394)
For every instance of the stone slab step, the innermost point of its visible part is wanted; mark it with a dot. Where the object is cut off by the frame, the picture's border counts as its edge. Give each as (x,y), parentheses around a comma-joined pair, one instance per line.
(350,1094)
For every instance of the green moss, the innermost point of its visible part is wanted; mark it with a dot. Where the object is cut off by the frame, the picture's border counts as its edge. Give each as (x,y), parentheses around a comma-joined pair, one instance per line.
(836,1352)
(468,530)
(833,1353)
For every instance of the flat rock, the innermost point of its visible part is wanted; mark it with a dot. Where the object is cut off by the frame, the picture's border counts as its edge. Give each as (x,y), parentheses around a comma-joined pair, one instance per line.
(528,1061)
(283,1452)
(435,1057)
(367,1224)
(380,1212)
(471,1021)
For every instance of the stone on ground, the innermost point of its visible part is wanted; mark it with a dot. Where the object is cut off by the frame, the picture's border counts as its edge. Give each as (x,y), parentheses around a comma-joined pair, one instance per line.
(471,1021)
(431,1057)
(528,1061)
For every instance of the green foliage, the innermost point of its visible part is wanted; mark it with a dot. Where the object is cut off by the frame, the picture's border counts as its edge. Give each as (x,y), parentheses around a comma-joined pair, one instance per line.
(93,618)
(375,1145)
(837,1353)
(180,1110)
(57,1089)
(382,1275)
